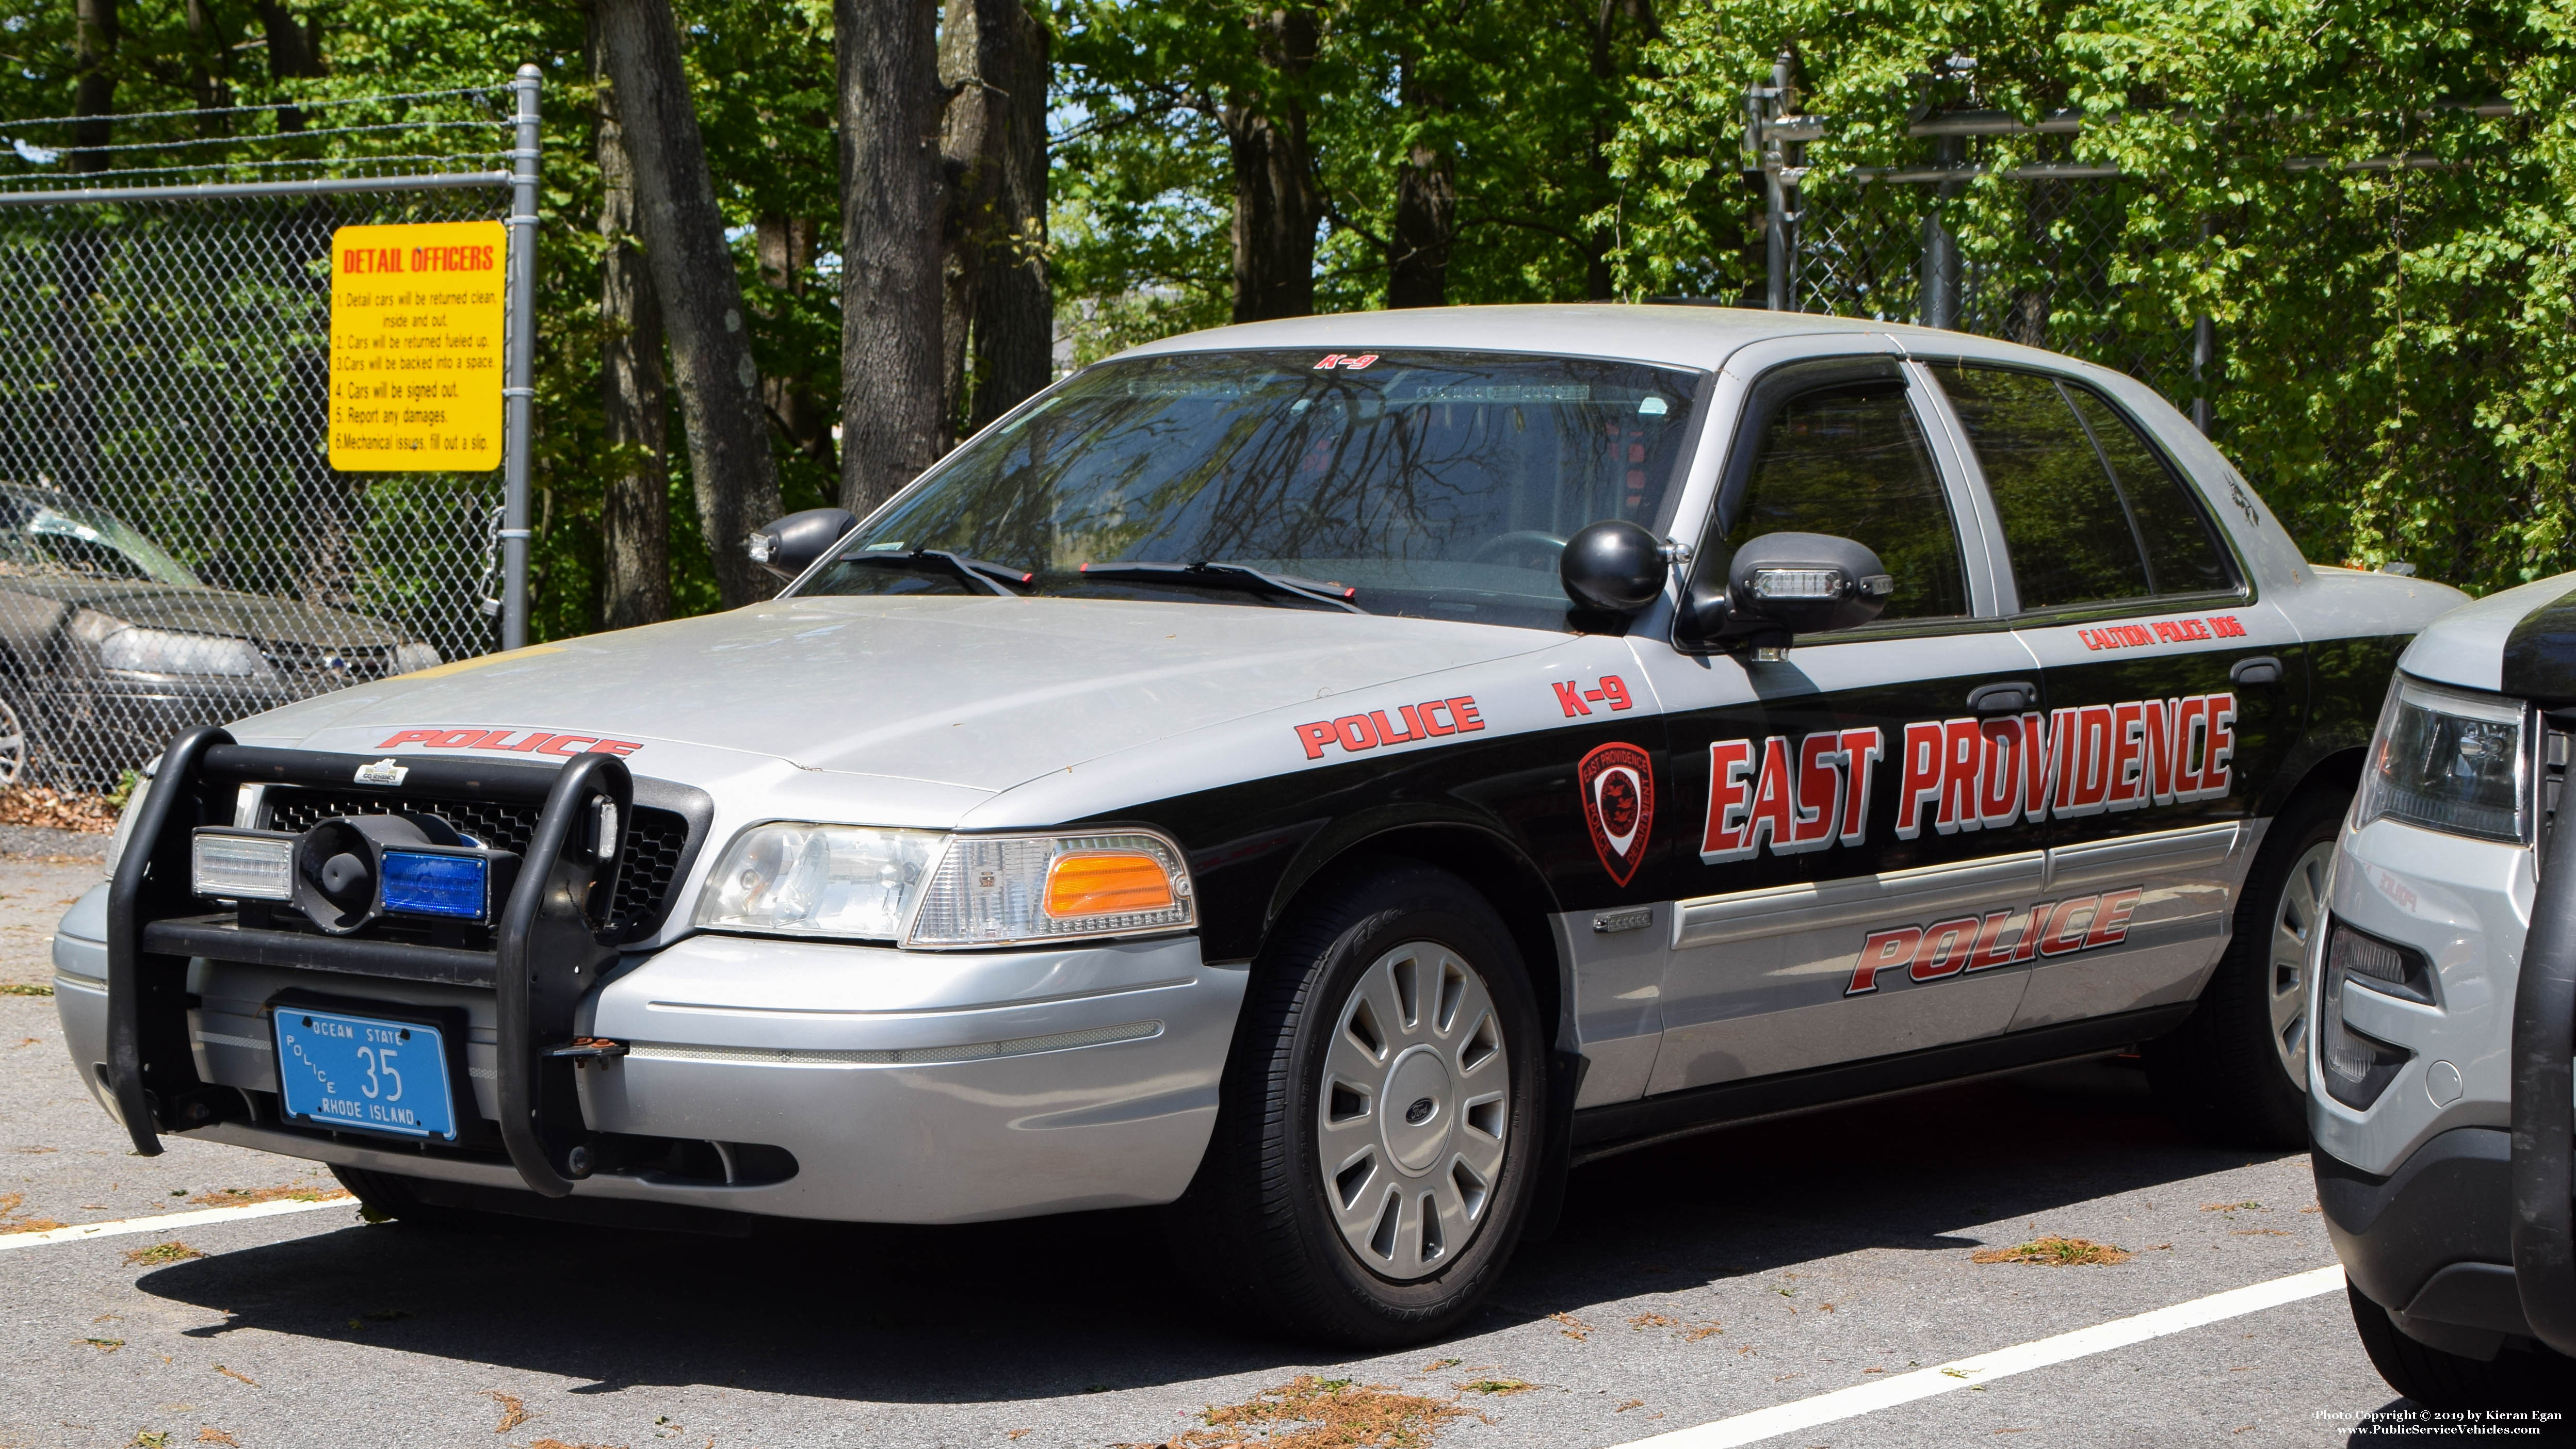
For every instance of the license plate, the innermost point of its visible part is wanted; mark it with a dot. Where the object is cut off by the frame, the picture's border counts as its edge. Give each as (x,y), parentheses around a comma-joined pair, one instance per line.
(338,1070)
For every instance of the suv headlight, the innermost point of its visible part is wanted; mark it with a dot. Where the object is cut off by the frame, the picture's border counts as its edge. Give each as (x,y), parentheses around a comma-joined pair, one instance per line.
(2447,761)
(848,882)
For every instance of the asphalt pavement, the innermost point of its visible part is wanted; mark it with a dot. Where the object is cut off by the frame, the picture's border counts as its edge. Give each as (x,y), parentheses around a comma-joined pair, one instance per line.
(1690,1283)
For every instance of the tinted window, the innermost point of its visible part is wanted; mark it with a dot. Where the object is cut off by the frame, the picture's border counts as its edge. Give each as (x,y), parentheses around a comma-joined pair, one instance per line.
(1437,484)
(1849,461)
(2182,555)
(2070,539)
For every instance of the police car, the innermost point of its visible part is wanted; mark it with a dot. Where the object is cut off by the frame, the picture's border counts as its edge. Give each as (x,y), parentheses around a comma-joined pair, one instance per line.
(1327,776)
(2445,997)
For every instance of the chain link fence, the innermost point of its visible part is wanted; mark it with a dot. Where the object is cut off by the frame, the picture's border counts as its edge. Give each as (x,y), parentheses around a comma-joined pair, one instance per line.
(175,547)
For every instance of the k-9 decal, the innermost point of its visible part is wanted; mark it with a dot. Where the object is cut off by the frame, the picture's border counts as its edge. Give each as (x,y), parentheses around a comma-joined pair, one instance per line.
(1967,774)
(1962,945)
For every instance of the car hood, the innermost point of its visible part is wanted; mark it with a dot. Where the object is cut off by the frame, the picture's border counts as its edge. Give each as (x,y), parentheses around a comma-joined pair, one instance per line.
(211,611)
(976,693)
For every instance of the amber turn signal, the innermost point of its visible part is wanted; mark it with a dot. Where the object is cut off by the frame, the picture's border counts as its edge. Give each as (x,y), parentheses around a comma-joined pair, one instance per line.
(1106,882)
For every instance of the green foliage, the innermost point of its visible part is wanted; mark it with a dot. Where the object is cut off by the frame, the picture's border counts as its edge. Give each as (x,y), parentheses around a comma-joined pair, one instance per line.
(2394,350)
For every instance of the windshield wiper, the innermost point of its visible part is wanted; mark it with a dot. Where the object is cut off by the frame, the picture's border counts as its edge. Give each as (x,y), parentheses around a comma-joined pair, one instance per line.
(1228,576)
(983,572)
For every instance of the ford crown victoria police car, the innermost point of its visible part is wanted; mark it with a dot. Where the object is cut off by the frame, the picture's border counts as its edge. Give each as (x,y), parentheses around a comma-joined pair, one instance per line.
(2445,999)
(1327,776)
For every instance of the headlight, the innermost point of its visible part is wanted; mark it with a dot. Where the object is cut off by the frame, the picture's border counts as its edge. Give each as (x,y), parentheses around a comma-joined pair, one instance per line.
(2447,761)
(795,879)
(927,890)
(996,890)
(136,650)
(125,818)
(414,657)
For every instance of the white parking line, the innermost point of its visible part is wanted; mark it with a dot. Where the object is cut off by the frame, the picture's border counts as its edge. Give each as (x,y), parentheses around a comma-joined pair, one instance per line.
(165,1222)
(1986,1367)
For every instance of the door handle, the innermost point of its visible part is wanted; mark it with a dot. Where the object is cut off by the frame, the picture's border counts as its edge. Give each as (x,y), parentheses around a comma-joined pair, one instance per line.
(2011,697)
(2261,669)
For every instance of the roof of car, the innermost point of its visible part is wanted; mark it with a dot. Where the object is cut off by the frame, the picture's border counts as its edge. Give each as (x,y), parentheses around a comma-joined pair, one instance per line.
(1678,335)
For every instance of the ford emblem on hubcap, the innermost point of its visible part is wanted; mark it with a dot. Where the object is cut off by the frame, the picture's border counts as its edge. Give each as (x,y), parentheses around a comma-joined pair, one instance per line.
(1420,1112)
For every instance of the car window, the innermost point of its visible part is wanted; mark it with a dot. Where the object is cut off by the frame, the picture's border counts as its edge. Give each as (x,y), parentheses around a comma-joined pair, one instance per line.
(2183,556)
(1850,461)
(2070,538)
(1434,484)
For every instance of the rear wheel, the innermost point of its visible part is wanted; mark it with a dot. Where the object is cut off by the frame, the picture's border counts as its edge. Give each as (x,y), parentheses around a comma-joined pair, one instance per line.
(388,1197)
(2236,1070)
(2436,1379)
(1377,1134)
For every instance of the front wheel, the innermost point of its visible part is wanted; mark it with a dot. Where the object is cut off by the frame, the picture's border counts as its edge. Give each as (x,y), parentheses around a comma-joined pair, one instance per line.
(2532,1378)
(1377,1136)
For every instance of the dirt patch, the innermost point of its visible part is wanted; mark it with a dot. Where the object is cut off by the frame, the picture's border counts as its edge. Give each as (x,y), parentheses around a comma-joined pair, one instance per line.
(11,1222)
(2056,1252)
(172,1251)
(1312,1413)
(244,1196)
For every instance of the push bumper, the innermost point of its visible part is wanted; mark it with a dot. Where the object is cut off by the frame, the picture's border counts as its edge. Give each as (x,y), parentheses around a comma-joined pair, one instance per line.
(2431,1242)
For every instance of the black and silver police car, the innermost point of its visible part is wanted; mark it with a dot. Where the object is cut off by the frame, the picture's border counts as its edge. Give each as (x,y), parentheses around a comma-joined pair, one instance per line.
(1327,776)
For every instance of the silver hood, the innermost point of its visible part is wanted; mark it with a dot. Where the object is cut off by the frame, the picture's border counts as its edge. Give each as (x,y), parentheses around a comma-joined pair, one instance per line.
(976,693)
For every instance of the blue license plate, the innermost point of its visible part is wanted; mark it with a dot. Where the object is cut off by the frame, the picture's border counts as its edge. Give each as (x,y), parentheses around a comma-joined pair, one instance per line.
(338,1070)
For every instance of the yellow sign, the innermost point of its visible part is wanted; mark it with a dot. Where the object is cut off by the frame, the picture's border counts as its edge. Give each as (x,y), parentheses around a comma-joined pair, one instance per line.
(416,347)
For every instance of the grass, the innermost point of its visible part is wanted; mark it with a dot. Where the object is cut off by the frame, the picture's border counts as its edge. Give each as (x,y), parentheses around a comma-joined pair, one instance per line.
(1312,1413)
(172,1251)
(24,988)
(2056,1252)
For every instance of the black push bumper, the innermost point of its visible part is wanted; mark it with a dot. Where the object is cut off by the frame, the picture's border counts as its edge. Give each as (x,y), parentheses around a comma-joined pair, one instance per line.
(550,944)
(2544,1095)
(2431,1241)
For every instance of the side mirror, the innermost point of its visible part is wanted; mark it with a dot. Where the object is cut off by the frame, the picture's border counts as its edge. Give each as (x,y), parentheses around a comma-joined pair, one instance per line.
(788,546)
(1807,583)
(1614,566)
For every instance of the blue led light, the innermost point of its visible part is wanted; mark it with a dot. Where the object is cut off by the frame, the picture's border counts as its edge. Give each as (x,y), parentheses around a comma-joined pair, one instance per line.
(420,884)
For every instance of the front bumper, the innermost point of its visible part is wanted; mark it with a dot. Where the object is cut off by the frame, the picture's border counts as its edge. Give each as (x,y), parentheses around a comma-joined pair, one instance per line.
(2432,1242)
(903,1086)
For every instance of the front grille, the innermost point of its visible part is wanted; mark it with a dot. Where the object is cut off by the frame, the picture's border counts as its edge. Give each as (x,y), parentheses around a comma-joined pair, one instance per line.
(656,840)
(347,665)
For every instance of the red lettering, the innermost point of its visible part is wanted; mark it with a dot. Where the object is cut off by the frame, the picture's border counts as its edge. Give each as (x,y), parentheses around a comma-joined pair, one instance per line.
(1356,732)
(1315,736)
(1813,825)
(550,746)
(532,742)
(613,747)
(1729,801)
(1463,710)
(1386,732)
(2156,778)
(1773,809)
(408,737)
(1617,688)
(1884,950)
(2166,631)
(1569,697)
(2128,731)
(2063,936)
(1945,947)
(1413,721)
(1861,750)
(2038,755)
(2111,923)
(459,739)
(1921,783)
(1987,952)
(2190,730)
(1999,779)
(2222,744)
(2084,773)
(1962,751)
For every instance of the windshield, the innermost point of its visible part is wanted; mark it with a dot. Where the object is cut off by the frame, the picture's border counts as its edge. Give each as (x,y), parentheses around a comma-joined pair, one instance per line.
(58,537)
(1434,484)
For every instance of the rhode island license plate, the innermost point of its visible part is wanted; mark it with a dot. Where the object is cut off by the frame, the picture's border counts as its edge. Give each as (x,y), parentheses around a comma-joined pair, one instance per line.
(337,1070)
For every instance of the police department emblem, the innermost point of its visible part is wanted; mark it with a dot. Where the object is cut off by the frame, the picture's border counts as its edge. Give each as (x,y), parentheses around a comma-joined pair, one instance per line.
(1618,784)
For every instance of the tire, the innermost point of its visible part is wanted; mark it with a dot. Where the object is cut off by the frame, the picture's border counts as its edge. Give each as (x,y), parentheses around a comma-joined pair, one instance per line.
(2532,1378)
(387,1197)
(1324,1209)
(2235,1072)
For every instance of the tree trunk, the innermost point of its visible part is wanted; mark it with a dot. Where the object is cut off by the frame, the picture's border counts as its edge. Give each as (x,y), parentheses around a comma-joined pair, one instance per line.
(893,348)
(701,300)
(94,41)
(996,307)
(635,541)
(1276,204)
(209,69)
(1426,221)
(294,50)
(785,247)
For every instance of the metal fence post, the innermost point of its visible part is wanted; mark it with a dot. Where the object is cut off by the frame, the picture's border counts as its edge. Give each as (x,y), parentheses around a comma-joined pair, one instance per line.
(1941,246)
(518,388)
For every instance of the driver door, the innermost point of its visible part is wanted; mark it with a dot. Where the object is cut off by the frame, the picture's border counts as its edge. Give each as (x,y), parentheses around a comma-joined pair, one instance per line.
(1863,876)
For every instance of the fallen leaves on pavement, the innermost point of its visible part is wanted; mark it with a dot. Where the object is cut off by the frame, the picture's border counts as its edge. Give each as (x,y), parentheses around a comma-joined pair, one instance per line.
(1571,1326)
(57,809)
(514,1411)
(10,1222)
(172,1251)
(24,988)
(235,1374)
(244,1196)
(1501,1388)
(2055,1252)
(209,1434)
(1312,1413)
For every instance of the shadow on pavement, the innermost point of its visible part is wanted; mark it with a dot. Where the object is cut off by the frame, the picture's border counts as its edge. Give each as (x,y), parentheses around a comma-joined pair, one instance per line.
(1057,1306)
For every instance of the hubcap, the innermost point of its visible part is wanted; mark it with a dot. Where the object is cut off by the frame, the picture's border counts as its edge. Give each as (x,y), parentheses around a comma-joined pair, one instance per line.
(2295,919)
(13,745)
(1416,1100)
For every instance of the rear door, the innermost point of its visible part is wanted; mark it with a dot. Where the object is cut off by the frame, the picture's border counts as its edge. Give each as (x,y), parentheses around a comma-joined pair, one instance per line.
(2173,692)
(1856,845)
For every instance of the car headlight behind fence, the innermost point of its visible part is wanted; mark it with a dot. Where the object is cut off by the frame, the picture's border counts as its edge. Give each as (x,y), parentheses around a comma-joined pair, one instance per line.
(132,649)
(848,882)
(2447,761)
(415,656)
